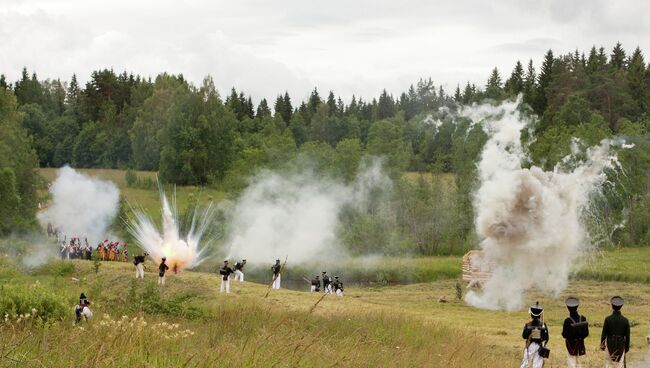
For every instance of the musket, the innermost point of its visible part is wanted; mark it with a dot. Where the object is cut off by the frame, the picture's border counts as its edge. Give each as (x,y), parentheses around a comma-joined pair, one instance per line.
(274,277)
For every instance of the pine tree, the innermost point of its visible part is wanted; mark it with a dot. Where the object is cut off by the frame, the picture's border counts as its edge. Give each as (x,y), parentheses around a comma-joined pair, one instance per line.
(3,82)
(543,81)
(457,95)
(636,79)
(529,84)
(617,58)
(515,84)
(331,103)
(386,106)
(493,87)
(263,110)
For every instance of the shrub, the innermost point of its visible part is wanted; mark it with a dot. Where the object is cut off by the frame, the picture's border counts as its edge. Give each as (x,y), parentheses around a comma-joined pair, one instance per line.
(31,299)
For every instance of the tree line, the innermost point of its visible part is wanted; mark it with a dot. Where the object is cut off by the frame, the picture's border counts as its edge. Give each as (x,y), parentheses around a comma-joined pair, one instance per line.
(192,135)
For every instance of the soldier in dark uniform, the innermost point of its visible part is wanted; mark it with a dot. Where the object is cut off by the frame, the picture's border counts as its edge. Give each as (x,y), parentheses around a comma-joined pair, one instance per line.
(536,336)
(574,331)
(276,268)
(225,272)
(239,270)
(327,288)
(315,284)
(337,285)
(161,271)
(615,339)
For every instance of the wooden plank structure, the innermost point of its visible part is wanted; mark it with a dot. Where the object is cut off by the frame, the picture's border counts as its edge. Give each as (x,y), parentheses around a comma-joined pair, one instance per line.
(475,268)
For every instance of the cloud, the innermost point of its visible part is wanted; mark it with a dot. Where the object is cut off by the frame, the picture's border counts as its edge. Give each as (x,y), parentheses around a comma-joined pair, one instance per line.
(267,47)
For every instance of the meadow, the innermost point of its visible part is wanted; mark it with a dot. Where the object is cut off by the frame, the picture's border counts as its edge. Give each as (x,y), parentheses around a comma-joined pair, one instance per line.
(189,323)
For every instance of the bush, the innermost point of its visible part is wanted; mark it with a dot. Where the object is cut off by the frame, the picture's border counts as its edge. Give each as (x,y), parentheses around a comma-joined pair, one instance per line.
(31,299)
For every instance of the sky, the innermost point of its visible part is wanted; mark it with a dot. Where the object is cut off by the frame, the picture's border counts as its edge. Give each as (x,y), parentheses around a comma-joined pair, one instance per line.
(265,47)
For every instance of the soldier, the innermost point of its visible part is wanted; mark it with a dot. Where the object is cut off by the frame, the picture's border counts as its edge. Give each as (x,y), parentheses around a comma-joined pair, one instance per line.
(327,281)
(615,339)
(574,331)
(82,310)
(536,336)
(315,285)
(337,285)
(225,272)
(161,274)
(239,274)
(276,268)
(138,261)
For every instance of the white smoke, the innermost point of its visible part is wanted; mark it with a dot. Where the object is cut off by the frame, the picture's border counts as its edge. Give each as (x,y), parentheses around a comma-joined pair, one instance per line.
(81,206)
(181,251)
(528,220)
(297,215)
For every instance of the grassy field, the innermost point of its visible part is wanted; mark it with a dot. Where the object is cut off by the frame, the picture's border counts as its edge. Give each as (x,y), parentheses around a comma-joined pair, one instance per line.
(189,323)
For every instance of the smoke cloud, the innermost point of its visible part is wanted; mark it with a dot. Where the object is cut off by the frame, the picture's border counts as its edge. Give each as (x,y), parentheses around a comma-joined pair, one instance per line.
(528,220)
(81,205)
(297,215)
(180,250)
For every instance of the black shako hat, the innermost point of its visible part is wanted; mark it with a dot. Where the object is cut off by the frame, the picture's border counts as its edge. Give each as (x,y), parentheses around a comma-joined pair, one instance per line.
(536,310)
(617,301)
(572,302)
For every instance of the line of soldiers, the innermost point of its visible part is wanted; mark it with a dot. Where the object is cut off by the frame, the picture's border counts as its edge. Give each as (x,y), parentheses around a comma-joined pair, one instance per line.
(329,286)
(74,249)
(615,337)
(111,251)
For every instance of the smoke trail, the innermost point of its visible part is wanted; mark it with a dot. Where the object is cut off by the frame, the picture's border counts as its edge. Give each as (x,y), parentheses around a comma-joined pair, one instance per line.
(181,251)
(81,205)
(529,220)
(297,215)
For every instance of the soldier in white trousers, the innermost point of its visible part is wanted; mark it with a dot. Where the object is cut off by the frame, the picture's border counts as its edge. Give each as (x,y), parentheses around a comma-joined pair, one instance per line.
(225,272)
(276,268)
(239,270)
(138,261)
(536,336)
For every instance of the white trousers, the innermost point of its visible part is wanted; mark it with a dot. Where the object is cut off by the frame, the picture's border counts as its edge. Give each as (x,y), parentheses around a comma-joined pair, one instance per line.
(276,282)
(313,288)
(531,357)
(139,271)
(161,280)
(339,292)
(573,361)
(225,285)
(239,276)
(609,363)
(328,289)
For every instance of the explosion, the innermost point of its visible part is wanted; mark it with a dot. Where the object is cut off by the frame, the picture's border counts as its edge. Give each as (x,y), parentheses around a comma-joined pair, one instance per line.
(529,220)
(180,252)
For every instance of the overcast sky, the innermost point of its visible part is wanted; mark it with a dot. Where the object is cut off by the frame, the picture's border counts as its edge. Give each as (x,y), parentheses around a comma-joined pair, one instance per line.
(265,47)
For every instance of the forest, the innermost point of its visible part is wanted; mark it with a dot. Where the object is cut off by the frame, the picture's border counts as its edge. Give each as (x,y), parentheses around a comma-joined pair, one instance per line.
(191,135)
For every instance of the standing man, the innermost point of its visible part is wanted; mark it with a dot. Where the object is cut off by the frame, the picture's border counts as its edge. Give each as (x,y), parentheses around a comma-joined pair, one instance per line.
(276,268)
(239,274)
(138,261)
(337,285)
(574,331)
(161,271)
(615,339)
(225,272)
(536,336)
(327,281)
(315,285)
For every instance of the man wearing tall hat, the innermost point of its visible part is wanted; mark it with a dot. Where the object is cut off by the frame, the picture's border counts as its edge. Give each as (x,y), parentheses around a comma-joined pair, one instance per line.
(574,331)
(276,269)
(225,272)
(536,336)
(615,339)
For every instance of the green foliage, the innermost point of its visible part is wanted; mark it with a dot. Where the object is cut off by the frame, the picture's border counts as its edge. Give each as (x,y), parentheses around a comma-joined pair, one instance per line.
(34,299)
